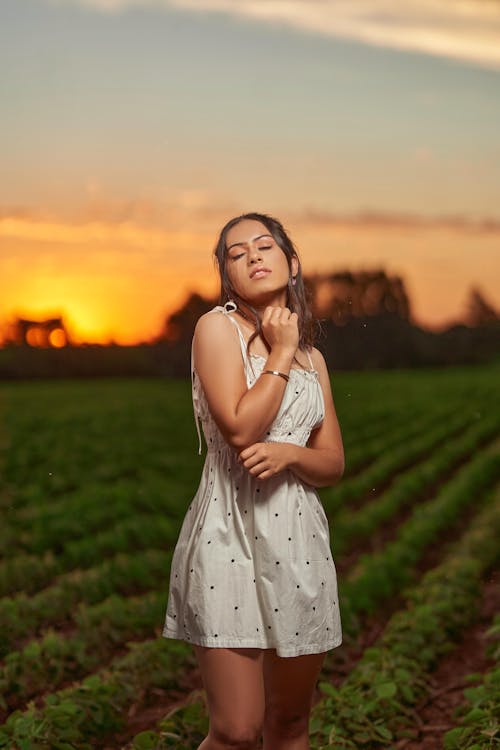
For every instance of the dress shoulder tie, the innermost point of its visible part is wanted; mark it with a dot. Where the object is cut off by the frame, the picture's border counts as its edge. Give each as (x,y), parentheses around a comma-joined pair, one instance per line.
(226,309)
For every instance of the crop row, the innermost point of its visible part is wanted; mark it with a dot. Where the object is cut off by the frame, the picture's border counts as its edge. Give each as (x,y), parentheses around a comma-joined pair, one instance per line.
(478,717)
(94,509)
(406,487)
(69,434)
(40,527)
(149,493)
(421,529)
(397,459)
(124,574)
(29,573)
(22,613)
(45,665)
(75,716)
(378,576)
(390,435)
(374,705)
(43,523)
(392,565)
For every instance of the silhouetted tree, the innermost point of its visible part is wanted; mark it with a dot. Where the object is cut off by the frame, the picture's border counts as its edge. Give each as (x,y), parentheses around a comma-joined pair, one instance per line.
(344,295)
(179,326)
(479,311)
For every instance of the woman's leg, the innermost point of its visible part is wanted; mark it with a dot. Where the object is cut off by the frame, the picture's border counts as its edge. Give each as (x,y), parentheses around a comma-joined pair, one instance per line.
(232,678)
(289,688)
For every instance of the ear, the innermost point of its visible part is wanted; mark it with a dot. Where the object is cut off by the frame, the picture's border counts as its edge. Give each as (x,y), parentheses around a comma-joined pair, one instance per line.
(295,265)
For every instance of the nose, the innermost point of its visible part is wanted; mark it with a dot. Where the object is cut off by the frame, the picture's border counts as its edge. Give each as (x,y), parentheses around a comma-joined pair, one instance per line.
(255,254)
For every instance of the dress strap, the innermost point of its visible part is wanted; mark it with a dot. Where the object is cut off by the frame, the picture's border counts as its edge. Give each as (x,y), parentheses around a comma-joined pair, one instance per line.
(309,358)
(226,311)
(195,400)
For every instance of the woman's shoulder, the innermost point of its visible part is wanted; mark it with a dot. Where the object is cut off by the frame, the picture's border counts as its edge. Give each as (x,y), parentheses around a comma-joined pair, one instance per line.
(211,319)
(213,325)
(318,359)
(214,341)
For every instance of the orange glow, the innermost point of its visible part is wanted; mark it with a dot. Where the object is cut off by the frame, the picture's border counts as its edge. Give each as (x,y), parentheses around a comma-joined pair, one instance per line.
(36,337)
(57,338)
(119,284)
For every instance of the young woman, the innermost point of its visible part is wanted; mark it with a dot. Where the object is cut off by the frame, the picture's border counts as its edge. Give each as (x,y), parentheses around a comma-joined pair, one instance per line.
(253,584)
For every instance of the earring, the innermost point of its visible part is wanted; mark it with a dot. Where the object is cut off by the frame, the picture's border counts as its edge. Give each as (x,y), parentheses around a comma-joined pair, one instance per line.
(294,280)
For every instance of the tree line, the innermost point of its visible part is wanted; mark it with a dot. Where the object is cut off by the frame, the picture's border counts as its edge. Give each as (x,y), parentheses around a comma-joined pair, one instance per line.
(364,321)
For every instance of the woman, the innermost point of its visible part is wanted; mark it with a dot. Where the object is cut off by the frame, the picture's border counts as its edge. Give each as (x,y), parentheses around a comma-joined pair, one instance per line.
(253,584)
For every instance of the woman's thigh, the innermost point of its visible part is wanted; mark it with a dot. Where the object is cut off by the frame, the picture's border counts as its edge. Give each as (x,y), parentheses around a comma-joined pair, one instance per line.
(289,683)
(234,686)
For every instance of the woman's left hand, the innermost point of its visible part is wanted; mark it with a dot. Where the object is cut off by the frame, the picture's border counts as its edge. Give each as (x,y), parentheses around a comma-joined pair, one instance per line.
(264,460)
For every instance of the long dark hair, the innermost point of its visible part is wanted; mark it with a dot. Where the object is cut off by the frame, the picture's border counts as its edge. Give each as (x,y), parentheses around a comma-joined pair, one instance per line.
(297,298)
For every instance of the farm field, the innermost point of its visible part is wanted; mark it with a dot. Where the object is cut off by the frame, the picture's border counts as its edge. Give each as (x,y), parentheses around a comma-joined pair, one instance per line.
(95,478)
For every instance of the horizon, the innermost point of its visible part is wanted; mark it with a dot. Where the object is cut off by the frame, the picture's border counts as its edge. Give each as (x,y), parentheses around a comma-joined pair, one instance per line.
(64,336)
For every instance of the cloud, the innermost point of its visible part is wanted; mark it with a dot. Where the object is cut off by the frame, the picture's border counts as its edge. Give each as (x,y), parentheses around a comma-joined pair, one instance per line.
(69,233)
(370,220)
(21,225)
(464,30)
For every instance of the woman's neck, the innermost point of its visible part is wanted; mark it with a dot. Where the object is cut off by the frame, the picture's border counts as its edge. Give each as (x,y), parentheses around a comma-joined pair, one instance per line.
(277,301)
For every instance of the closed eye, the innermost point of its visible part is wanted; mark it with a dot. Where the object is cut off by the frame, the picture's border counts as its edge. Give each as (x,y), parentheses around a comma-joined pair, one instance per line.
(264,247)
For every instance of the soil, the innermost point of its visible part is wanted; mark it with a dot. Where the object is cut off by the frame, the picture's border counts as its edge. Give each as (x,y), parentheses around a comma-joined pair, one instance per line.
(436,712)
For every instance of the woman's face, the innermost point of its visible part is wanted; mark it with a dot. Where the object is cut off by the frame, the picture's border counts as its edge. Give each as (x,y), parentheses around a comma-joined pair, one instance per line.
(256,265)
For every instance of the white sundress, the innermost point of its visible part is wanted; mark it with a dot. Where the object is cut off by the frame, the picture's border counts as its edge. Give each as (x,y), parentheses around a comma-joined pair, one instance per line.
(252,566)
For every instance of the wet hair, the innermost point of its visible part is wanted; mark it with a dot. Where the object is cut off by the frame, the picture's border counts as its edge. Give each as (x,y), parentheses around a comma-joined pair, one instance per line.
(297,298)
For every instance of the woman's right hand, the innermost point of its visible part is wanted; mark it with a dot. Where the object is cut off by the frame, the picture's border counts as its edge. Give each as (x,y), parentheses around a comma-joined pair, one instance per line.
(280,328)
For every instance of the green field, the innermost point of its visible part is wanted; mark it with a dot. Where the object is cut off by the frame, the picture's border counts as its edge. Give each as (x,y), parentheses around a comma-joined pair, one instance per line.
(95,478)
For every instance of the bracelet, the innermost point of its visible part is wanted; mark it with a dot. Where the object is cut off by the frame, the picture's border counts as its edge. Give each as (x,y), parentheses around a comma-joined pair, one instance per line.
(276,372)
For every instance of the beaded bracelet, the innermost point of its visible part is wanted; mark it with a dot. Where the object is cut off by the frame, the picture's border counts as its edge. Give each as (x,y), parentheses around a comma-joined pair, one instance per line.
(276,372)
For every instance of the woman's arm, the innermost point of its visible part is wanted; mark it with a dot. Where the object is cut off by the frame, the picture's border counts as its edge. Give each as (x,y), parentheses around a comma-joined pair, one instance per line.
(321,463)
(242,414)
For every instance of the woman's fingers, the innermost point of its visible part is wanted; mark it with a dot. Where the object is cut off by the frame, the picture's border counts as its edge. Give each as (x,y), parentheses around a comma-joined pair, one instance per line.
(280,326)
(255,458)
(277,311)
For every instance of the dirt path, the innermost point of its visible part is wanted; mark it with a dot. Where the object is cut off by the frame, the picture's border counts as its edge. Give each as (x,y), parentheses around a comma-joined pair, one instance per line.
(436,712)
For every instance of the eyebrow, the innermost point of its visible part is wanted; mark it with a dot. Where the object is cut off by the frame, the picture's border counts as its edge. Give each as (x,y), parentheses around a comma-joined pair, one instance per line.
(246,243)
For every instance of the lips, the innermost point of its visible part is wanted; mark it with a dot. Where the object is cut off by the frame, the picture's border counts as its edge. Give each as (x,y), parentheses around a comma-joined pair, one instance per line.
(260,272)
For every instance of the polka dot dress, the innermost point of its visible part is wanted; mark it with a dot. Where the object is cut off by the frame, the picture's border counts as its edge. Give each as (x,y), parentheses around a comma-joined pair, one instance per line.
(252,566)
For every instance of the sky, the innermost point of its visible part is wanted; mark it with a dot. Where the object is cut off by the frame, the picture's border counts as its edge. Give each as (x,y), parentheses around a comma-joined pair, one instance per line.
(132,130)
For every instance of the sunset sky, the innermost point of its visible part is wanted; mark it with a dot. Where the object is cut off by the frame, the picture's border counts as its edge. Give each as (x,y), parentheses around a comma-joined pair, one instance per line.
(132,130)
